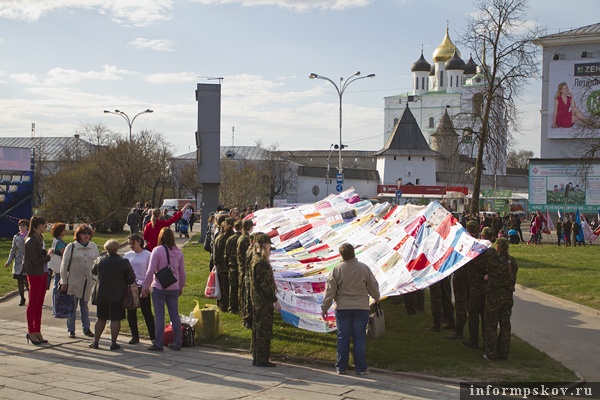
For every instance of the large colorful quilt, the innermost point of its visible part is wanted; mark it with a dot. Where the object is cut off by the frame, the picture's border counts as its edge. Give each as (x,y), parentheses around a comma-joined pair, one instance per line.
(407,247)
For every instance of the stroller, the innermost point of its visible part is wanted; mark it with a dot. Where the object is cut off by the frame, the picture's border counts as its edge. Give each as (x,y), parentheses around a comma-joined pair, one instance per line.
(184,225)
(513,237)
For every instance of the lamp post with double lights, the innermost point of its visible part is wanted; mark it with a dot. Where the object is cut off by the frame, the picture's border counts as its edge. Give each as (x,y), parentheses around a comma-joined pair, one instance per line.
(341,88)
(127,119)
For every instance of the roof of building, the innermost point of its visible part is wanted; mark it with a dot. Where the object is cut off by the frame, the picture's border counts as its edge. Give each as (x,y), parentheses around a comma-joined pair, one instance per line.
(455,63)
(445,50)
(421,65)
(49,148)
(583,34)
(407,139)
(349,173)
(445,127)
(470,66)
(250,153)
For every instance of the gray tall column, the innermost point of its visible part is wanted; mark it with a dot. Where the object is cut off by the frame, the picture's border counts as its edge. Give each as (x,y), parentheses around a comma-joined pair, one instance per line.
(208,143)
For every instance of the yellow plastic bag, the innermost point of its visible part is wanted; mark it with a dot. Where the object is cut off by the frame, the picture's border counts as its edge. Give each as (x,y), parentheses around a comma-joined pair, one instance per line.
(209,324)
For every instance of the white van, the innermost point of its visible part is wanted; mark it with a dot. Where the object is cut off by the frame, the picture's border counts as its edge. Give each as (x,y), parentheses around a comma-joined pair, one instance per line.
(177,204)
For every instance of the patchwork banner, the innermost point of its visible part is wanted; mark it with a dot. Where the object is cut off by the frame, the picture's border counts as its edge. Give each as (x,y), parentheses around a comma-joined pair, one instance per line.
(407,247)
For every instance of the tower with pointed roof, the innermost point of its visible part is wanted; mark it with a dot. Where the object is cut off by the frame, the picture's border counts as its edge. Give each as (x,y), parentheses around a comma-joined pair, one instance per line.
(406,155)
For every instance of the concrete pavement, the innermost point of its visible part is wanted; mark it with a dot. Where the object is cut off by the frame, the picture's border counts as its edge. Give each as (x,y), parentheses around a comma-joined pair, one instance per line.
(67,369)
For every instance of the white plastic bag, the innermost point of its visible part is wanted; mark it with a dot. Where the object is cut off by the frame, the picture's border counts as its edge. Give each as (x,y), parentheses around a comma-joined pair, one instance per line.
(213,290)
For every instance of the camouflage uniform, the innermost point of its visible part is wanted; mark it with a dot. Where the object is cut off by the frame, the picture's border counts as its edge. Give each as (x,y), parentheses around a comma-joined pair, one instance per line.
(567,225)
(232,269)
(441,304)
(263,296)
(476,270)
(460,285)
(499,302)
(497,225)
(219,256)
(414,301)
(559,228)
(243,244)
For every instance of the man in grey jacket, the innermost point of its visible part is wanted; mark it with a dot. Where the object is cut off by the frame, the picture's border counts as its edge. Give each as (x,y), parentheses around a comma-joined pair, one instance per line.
(350,284)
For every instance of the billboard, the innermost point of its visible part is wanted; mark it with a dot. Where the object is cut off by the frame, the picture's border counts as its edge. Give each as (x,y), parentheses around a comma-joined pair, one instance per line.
(563,187)
(15,159)
(573,98)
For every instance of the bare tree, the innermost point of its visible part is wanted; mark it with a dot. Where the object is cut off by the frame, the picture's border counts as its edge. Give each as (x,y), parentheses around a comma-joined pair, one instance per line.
(500,33)
(519,158)
(106,183)
(278,175)
(98,134)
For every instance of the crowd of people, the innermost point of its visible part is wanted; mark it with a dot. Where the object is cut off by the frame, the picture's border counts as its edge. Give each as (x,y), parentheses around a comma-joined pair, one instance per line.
(483,297)
(78,270)
(246,282)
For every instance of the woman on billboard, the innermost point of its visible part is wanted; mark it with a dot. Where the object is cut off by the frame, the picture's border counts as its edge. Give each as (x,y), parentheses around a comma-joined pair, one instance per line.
(566,113)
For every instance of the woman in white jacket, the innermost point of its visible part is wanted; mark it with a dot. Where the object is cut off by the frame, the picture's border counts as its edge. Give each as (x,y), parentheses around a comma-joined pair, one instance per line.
(76,275)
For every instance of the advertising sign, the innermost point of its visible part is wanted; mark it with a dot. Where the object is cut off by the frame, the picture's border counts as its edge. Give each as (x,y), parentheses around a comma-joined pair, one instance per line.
(573,98)
(564,187)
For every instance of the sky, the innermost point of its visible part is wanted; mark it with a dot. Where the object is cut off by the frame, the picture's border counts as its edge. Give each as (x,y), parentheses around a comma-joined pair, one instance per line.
(62,62)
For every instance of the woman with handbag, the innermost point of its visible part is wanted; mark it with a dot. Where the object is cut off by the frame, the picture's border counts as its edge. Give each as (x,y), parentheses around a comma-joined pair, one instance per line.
(17,252)
(35,265)
(166,277)
(114,274)
(140,261)
(350,284)
(59,230)
(76,275)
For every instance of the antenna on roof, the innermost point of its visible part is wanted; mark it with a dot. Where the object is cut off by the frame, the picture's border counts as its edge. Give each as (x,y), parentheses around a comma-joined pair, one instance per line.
(212,78)
(33,129)
(232,136)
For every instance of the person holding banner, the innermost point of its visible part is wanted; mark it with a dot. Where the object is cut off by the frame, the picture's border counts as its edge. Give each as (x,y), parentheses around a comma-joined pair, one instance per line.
(350,284)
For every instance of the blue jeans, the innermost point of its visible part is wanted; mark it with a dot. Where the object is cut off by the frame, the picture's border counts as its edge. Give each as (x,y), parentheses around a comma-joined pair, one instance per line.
(85,316)
(351,323)
(55,289)
(171,299)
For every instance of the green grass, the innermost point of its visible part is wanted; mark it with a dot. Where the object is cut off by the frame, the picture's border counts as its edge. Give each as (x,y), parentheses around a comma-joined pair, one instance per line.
(406,346)
(570,273)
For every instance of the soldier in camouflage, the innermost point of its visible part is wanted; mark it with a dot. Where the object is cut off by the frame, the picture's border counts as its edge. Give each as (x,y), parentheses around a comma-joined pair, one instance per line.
(232,266)
(243,260)
(501,277)
(460,284)
(219,255)
(441,304)
(264,296)
(477,289)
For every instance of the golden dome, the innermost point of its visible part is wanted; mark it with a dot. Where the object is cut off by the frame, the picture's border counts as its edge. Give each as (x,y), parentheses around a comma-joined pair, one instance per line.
(445,51)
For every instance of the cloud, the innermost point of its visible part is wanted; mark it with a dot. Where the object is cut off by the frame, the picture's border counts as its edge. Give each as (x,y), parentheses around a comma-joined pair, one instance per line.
(60,76)
(137,13)
(152,44)
(297,5)
(174,77)
(25,79)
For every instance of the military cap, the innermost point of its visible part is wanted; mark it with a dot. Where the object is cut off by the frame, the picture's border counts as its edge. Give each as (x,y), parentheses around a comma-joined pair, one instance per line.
(487,233)
(263,238)
(473,227)
(502,245)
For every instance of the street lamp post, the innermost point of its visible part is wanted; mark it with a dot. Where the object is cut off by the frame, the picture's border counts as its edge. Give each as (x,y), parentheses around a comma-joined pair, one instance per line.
(127,119)
(341,88)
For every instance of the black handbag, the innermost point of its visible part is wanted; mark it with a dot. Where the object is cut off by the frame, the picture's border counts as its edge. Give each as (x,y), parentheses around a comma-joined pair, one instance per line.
(131,298)
(165,276)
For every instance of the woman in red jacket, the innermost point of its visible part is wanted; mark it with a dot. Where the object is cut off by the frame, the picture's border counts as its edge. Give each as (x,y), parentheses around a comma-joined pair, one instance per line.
(152,228)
